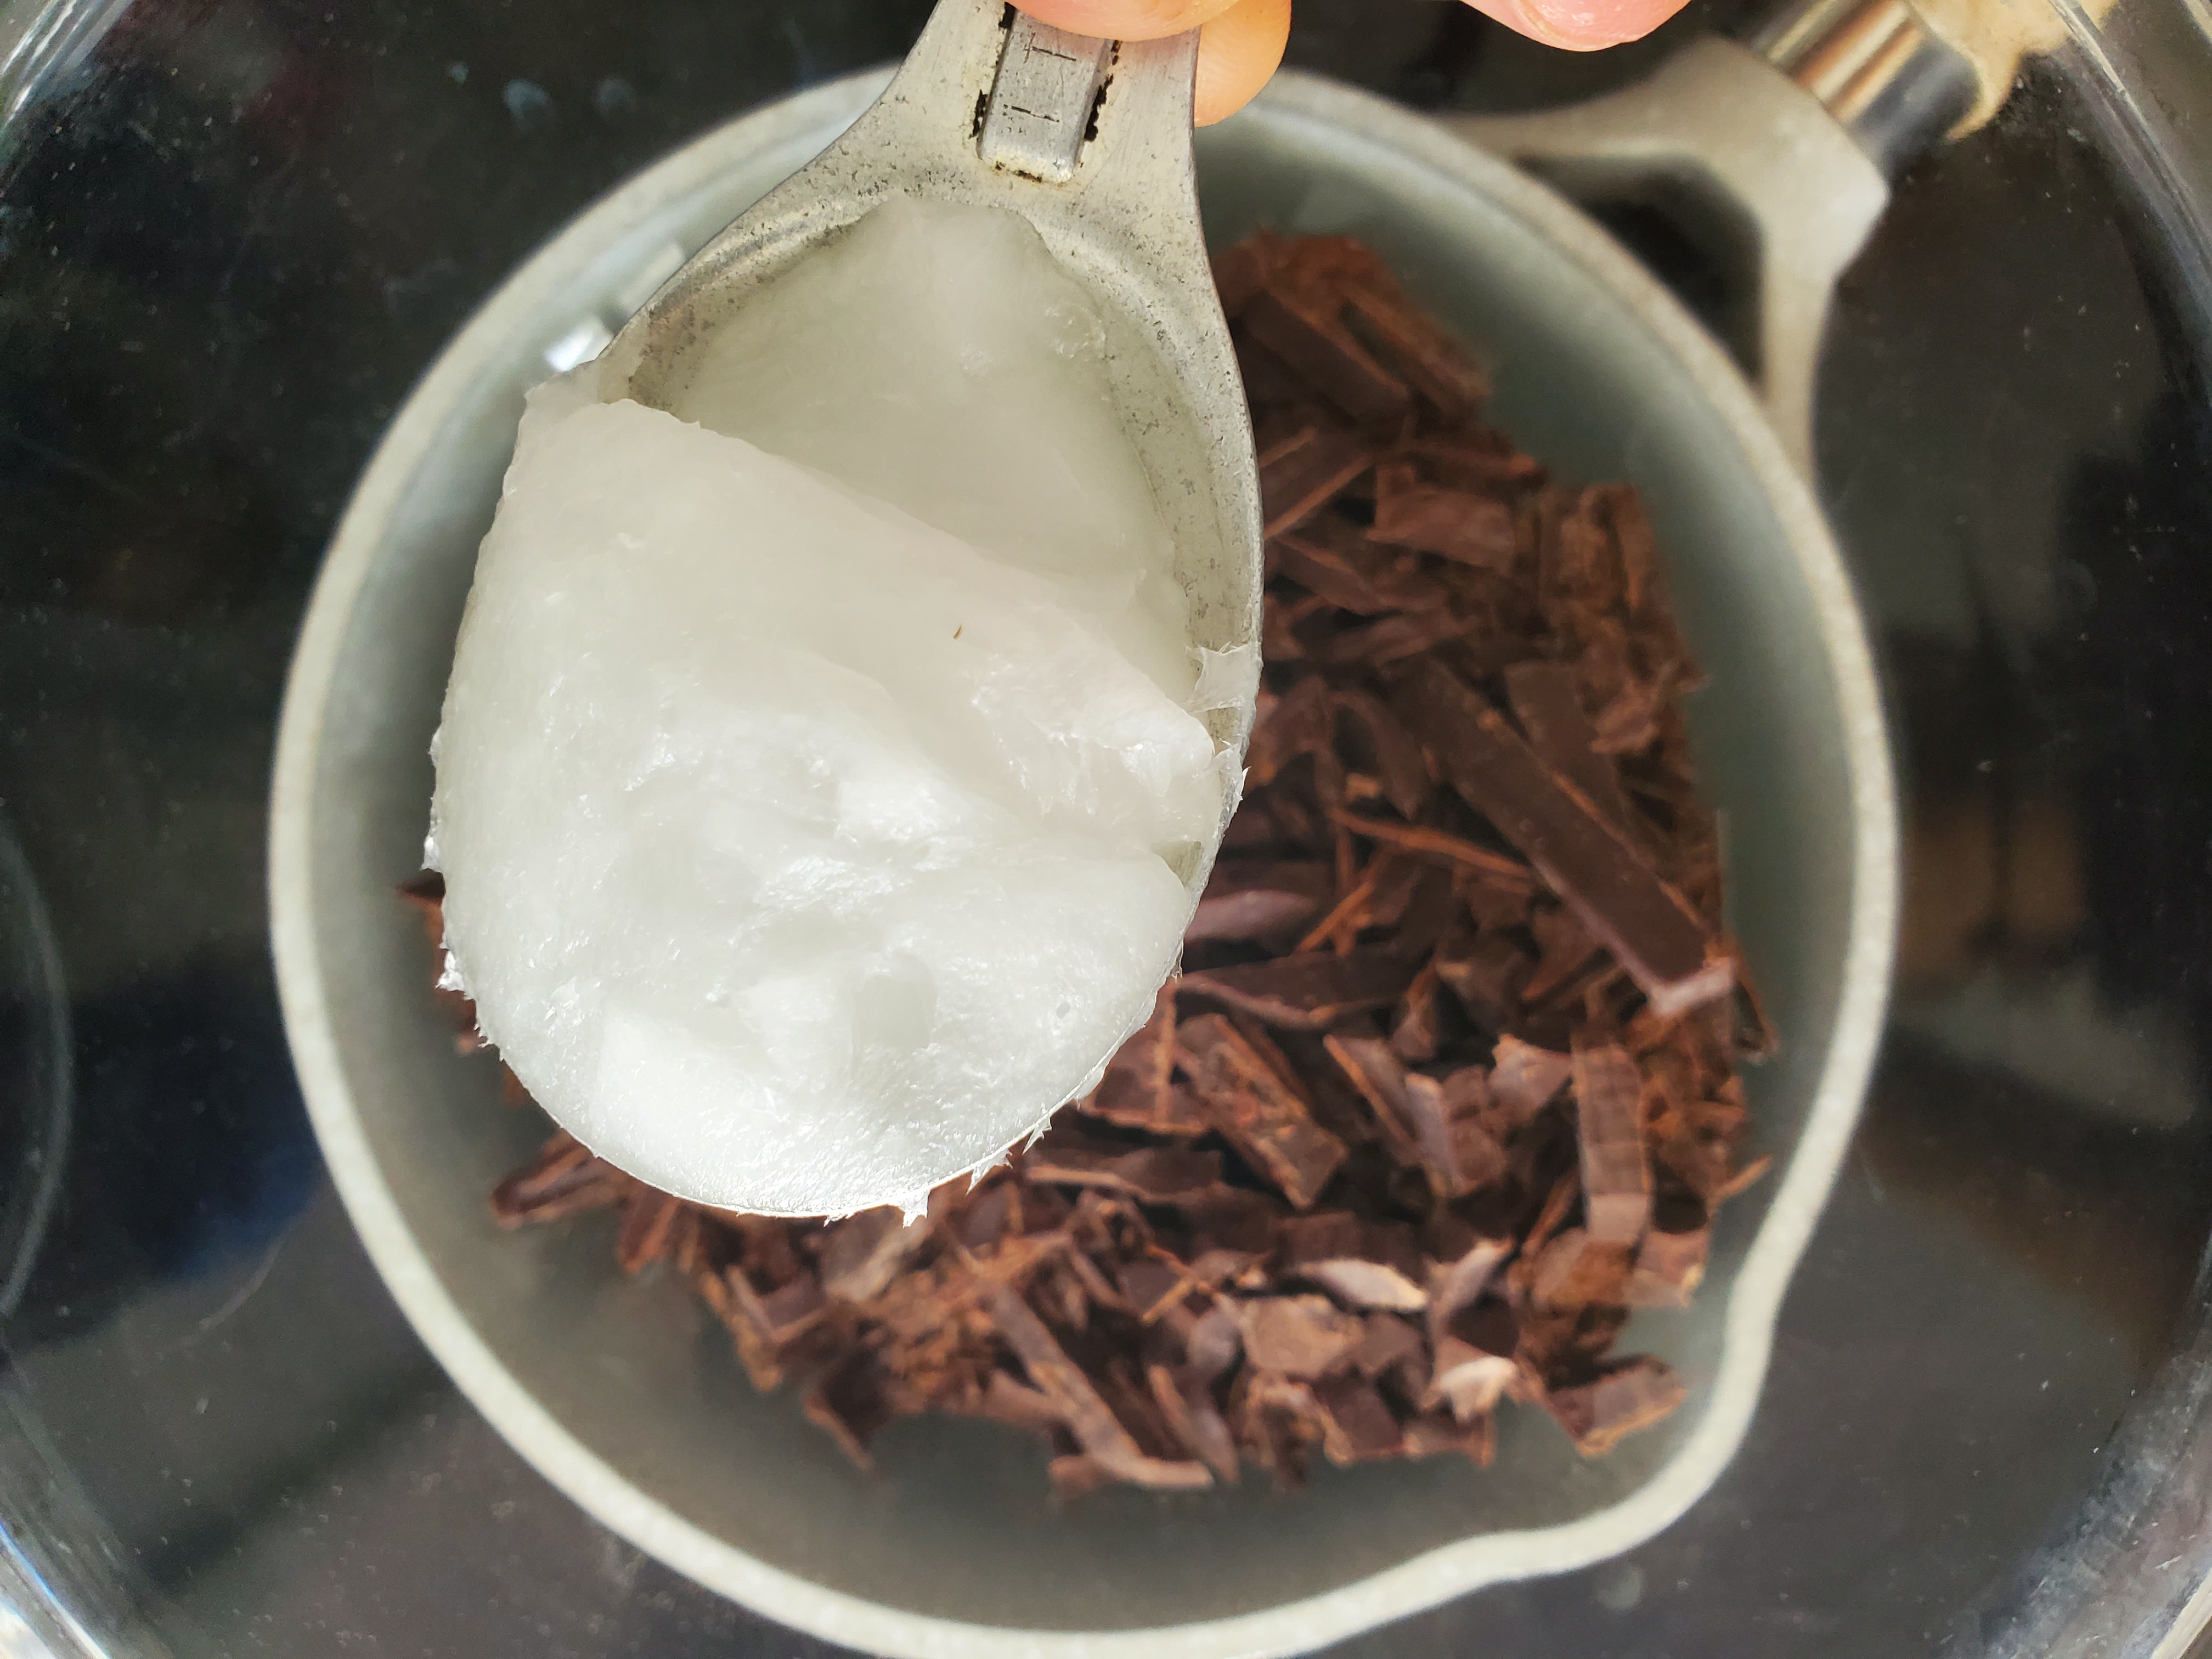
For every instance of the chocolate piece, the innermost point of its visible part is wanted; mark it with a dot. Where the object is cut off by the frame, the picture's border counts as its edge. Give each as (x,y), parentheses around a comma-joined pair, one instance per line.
(1197,1423)
(1467,1380)
(1362,1264)
(1385,1342)
(648,1229)
(861,1256)
(1018,1404)
(1351,915)
(1156,1175)
(1497,867)
(1298,1336)
(1550,709)
(1419,349)
(1578,1269)
(1669,1267)
(1486,974)
(1609,1129)
(1215,1343)
(1599,1414)
(781,1315)
(1333,560)
(1374,1070)
(1524,1078)
(1564,948)
(1462,1270)
(1327,357)
(1309,992)
(1399,763)
(1138,1090)
(1304,473)
(1431,1435)
(1645,923)
(1248,1101)
(848,1404)
(1249,901)
(1454,523)
(1301,722)
(1417,1033)
(1359,1427)
(1468,463)
(1095,1427)
(564,1179)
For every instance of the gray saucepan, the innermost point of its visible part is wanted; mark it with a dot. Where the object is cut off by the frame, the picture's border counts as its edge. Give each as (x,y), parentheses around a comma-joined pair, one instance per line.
(624,1394)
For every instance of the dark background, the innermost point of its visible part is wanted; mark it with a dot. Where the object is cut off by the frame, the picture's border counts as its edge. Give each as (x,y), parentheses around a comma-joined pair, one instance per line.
(232,235)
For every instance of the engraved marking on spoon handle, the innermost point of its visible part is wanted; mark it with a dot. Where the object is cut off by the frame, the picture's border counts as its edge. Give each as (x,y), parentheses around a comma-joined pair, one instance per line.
(1039,110)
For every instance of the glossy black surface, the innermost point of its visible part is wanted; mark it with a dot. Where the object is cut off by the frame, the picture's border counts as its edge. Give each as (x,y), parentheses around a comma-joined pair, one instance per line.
(233,234)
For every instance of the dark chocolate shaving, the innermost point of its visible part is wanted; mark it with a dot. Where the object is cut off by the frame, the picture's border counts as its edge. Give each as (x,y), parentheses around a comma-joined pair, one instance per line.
(1304,473)
(1651,929)
(1609,1129)
(1309,992)
(1259,1113)
(1251,901)
(1598,1414)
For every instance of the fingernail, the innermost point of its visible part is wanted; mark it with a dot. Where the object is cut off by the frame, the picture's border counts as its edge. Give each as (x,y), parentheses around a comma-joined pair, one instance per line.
(1570,26)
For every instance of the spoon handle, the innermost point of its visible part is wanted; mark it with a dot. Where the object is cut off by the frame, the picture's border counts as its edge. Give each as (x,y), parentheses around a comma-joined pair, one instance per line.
(988,90)
(1050,84)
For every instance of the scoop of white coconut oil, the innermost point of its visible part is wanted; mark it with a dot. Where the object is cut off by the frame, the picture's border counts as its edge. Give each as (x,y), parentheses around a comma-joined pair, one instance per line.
(819,759)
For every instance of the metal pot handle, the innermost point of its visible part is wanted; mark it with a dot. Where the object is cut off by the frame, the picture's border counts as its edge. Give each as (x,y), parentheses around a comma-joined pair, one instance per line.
(1787,144)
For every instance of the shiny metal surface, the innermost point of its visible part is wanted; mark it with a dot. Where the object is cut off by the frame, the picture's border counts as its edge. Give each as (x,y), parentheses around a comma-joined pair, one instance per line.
(1036,119)
(232,236)
(1891,82)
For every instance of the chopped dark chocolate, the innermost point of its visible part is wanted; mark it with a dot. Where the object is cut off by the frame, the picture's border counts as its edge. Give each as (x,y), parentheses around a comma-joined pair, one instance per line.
(1609,1127)
(564,1179)
(1669,1267)
(1156,1175)
(1452,523)
(1333,560)
(1651,929)
(1524,1078)
(1300,1336)
(1398,761)
(1633,1396)
(1337,1197)
(1252,901)
(1306,471)
(1262,1117)
(1549,707)
(1360,1428)
(1326,356)
(1497,867)
(861,1255)
(648,1229)
(1309,992)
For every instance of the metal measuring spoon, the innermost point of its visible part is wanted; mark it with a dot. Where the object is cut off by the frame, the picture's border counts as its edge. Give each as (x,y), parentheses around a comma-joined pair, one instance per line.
(1091,142)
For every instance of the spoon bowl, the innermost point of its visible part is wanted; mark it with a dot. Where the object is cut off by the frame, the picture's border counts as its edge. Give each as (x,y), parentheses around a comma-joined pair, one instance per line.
(1089,141)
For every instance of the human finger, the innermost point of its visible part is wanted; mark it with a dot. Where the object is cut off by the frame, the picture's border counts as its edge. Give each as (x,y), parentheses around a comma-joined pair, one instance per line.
(1580,25)
(1127,19)
(1237,51)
